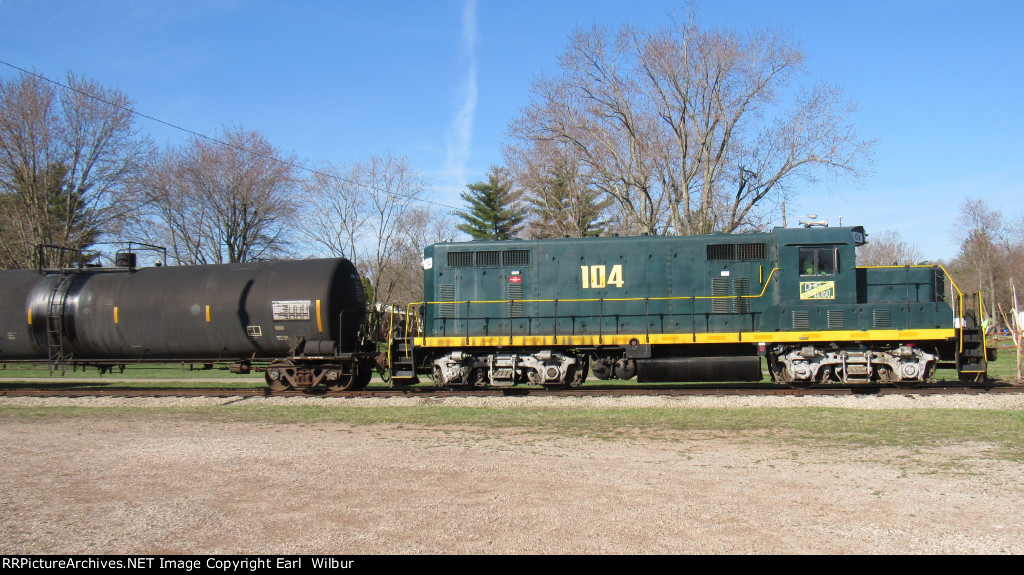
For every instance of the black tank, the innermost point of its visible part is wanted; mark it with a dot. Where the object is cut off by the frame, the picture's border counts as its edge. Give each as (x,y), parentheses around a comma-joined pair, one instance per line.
(212,312)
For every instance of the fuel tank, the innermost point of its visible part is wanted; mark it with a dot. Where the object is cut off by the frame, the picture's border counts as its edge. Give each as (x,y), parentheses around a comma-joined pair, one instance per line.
(212,312)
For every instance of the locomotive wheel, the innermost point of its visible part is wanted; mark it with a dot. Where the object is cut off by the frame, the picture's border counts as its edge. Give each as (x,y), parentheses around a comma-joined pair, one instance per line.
(277,375)
(602,368)
(786,378)
(625,369)
(478,377)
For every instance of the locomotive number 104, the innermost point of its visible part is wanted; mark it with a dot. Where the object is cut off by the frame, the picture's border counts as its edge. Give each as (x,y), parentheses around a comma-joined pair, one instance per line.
(596,277)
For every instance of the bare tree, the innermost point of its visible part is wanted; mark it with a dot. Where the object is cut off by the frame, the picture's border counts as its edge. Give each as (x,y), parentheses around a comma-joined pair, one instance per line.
(230,200)
(680,125)
(420,227)
(887,249)
(562,201)
(991,257)
(361,213)
(68,157)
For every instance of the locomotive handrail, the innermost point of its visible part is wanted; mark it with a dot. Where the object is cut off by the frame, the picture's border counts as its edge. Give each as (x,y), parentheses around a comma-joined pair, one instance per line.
(410,306)
(582,300)
(959,299)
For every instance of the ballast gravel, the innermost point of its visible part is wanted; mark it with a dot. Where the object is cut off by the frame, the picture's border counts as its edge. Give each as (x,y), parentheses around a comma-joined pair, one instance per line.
(152,483)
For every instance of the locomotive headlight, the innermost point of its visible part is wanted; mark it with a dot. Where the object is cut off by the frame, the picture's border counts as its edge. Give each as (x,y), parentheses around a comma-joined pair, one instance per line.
(428,263)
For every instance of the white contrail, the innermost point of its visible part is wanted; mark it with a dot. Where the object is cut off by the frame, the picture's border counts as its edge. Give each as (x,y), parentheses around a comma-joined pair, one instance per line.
(460,132)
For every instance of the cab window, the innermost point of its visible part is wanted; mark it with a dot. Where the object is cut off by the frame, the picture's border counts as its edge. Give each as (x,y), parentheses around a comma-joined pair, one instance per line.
(817,261)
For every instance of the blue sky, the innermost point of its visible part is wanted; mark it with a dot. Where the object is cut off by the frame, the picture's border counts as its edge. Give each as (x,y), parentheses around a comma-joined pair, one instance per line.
(938,82)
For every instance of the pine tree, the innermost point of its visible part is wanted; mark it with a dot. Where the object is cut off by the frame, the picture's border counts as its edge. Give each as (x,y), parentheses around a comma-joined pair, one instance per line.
(563,205)
(494,212)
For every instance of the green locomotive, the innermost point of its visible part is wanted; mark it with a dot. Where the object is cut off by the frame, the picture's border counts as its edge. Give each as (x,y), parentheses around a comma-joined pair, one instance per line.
(698,308)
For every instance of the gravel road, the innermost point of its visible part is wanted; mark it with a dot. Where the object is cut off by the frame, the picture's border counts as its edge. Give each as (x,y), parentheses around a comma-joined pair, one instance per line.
(154,484)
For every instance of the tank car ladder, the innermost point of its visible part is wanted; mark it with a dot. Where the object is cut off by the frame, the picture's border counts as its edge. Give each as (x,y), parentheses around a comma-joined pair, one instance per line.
(972,355)
(55,324)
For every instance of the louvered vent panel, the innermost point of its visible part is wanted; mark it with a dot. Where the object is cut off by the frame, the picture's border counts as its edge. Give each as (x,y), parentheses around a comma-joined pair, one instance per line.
(720,287)
(881,318)
(801,320)
(447,293)
(836,319)
(741,286)
(515,307)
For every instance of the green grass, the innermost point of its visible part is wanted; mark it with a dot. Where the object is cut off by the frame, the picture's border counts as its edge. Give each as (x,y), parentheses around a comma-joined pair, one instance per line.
(1002,430)
(1005,367)
(193,373)
(155,370)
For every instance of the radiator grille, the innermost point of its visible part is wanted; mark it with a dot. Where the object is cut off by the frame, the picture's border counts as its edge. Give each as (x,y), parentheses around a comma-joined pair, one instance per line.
(487,258)
(751,251)
(460,259)
(721,251)
(515,257)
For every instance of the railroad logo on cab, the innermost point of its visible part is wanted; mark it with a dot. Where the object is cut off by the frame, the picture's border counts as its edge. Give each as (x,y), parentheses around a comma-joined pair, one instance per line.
(817,290)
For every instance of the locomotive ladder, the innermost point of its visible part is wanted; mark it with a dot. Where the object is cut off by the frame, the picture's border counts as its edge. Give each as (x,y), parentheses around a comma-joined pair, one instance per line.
(402,362)
(971,357)
(55,324)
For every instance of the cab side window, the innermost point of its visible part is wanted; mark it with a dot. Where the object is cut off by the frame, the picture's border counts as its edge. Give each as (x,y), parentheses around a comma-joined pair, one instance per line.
(818,261)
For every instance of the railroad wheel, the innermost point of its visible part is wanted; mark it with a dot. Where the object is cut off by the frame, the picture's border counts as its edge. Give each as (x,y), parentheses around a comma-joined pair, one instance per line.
(364,374)
(478,377)
(338,381)
(786,378)
(345,382)
(625,369)
(603,368)
(579,371)
(278,375)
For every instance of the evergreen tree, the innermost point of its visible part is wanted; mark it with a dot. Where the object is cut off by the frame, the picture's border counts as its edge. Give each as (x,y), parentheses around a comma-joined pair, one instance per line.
(563,205)
(494,212)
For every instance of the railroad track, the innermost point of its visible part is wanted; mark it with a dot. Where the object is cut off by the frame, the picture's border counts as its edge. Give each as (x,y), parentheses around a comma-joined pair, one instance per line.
(593,391)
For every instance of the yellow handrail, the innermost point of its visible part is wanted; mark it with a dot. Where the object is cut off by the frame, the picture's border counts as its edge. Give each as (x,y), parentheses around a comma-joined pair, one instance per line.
(410,306)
